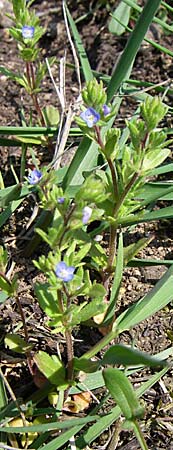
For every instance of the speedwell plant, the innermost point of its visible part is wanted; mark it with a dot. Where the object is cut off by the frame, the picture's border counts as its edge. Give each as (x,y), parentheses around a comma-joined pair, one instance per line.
(84,263)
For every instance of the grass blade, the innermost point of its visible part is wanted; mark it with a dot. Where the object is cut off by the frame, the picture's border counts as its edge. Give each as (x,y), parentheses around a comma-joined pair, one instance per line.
(122,12)
(132,46)
(107,420)
(138,8)
(81,51)
(155,300)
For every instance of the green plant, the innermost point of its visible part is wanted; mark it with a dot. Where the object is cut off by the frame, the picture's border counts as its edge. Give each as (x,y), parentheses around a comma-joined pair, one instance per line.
(82,280)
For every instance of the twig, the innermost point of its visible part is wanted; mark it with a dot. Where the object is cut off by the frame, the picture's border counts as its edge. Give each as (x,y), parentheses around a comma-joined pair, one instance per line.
(58,91)
(59,150)
(72,45)
(9,389)
(115,437)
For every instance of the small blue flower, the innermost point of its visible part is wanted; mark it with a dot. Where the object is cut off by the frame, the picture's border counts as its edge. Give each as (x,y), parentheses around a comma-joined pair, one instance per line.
(61,200)
(64,272)
(90,116)
(106,110)
(87,211)
(28,32)
(35,176)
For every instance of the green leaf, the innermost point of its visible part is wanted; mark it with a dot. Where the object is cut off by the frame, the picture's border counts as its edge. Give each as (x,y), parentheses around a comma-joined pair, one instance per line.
(16,343)
(123,393)
(85,365)
(132,46)
(8,195)
(31,140)
(97,290)
(155,300)
(50,426)
(96,306)
(3,296)
(129,356)
(47,300)
(154,158)
(160,214)
(6,286)
(81,50)
(52,368)
(142,262)
(4,216)
(133,249)
(51,115)
(81,253)
(116,282)
(156,191)
(95,430)
(18,7)
(160,22)
(13,76)
(122,13)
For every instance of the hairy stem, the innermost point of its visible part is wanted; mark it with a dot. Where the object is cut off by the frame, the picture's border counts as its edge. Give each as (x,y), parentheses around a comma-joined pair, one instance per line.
(66,220)
(70,354)
(114,177)
(31,81)
(126,190)
(68,335)
(109,161)
(112,245)
(22,315)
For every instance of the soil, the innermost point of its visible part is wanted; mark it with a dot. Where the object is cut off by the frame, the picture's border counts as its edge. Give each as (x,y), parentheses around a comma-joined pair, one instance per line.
(152,335)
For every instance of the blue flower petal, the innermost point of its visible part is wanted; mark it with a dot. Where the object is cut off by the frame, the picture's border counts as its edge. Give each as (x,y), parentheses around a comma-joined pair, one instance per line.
(28,32)
(87,211)
(64,272)
(61,200)
(35,176)
(106,110)
(90,117)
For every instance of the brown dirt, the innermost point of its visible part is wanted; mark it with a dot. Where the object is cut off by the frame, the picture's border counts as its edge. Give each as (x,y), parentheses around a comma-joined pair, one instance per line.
(152,335)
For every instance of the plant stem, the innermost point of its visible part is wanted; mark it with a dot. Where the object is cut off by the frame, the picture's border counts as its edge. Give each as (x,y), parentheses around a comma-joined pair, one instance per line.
(126,190)
(66,227)
(109,161)
(31,81)
(114,177)
(113,228)
(100,345)
(99,138)
(116,434)
(70,354)
(139,435)
(23,162)
(22,315)
(68,335)
(28,352)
